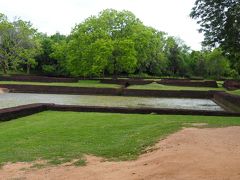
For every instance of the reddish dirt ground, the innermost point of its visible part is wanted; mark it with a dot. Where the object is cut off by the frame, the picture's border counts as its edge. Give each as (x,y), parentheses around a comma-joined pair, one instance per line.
(191,153)
(3,90)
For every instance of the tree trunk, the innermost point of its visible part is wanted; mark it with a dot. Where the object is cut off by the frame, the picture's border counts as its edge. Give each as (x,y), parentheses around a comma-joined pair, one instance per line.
(114,69)
(4,68)
(103,75)
(28,68)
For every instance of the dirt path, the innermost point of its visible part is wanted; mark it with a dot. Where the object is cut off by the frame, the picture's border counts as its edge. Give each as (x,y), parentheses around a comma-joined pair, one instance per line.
(189,154)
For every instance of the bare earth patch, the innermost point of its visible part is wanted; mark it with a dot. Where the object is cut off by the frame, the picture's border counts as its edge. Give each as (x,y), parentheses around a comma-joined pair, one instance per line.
(189,154)
(3,90)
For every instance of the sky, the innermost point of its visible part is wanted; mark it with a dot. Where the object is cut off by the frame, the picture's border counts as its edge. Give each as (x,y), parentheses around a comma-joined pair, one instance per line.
(51,16)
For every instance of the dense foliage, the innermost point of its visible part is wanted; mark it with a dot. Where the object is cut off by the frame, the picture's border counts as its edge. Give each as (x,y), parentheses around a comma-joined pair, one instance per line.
(109,44)
(18,44)
(220,23)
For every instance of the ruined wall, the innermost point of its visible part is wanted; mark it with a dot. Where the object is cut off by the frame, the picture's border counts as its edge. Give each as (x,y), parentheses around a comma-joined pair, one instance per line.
(26,110)
(231,84)
(189,83)
(60,89)
(31,78)
(21,111)
(170,93)
(228,101)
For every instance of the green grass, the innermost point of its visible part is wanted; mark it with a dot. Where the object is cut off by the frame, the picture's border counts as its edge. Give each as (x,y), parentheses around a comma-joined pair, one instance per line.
(236,92)
(97,84)
(10,72)
(156,86)
(81,83)
(60,137)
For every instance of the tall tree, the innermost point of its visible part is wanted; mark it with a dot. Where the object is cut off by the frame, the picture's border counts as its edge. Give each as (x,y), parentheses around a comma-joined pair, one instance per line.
(217,64)
(198,64)
(123,57)
(220,23)
(18,44)
(27,46)
(177,53)
(51,60)
(6,29)
(149,45)
(109,32)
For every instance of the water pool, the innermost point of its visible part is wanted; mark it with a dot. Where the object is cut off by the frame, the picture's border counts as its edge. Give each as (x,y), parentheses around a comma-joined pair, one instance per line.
(16,99)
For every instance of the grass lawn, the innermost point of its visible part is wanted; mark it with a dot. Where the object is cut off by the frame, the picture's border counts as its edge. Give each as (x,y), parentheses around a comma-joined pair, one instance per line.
(236,92)
(63,136)
(156,86)
(81,83)
(97,84)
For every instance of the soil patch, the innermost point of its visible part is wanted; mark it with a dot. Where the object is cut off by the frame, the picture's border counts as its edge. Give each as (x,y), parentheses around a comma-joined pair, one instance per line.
(3,90)
(191,153)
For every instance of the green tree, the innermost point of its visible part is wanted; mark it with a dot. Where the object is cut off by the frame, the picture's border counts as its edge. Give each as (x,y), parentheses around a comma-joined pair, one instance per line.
(6,29)
(178,57)
(198,64)
(149,45)
(220,23)
(92,60)
(217,64)
(103,44)
(28,45)
(51,60)
(18,44)
(123,57)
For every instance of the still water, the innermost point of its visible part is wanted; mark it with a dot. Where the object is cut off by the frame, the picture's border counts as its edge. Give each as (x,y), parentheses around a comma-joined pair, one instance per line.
(15,99)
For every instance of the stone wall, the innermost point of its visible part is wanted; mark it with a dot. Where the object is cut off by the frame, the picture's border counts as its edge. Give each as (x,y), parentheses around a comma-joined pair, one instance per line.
(170,93)
(172,82)
(21,111)
(140,110)
(189,83)
(126,82)
(26,110)
(31,78)
(16,88)
(231,84)
(228,101)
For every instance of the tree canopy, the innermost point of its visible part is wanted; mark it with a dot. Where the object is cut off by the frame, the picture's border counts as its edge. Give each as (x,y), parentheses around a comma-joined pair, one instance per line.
(116,43)
(220,23)
(103,43)
(18,44)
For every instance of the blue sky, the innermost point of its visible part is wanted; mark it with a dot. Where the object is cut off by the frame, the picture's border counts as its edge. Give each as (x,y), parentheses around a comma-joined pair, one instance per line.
(50,16)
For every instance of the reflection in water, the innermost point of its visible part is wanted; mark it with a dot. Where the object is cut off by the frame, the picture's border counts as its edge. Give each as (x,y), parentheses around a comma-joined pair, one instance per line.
(15,99)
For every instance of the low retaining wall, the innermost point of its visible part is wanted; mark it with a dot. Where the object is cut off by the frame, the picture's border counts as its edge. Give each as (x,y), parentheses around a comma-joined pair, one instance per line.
(36,78)
(16,88)
(189,83)
(170,93)
(21,111)
(140,110)
(126,82)
(231,84)
(25,110)
(157,78)
(228,101)
(141,78)
(173,82)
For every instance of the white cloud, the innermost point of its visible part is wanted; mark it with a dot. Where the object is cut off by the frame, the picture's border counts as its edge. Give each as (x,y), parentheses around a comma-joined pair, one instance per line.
(50,16)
